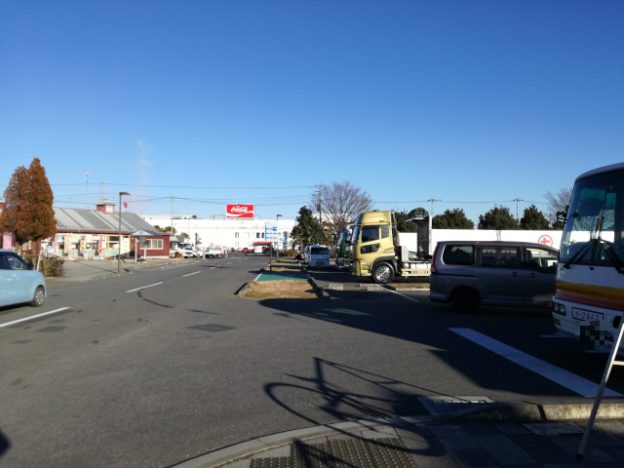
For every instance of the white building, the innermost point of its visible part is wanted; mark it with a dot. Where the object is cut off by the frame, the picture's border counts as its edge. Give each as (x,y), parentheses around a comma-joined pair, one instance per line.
(231,233)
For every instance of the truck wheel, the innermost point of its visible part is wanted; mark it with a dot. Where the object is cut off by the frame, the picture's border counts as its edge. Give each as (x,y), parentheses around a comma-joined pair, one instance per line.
(383,273)
(465,300)
(38,297)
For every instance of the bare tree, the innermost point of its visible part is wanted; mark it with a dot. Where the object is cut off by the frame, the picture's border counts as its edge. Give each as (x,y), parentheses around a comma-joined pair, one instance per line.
(339,204)
(558,202)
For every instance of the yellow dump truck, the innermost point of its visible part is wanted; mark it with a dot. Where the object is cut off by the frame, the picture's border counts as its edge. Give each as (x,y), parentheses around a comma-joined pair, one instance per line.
(383,253)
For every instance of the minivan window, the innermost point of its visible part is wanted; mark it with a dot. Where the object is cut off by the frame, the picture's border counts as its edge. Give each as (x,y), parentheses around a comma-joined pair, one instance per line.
(458,255)
(540,259)
(501,257)
(319,250)
(370,233)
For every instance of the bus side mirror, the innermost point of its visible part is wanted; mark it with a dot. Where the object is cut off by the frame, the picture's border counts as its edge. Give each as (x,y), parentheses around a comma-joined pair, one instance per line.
(561,216)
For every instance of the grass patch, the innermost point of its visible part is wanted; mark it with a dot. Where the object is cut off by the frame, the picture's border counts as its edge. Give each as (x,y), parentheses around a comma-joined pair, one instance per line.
(279,290)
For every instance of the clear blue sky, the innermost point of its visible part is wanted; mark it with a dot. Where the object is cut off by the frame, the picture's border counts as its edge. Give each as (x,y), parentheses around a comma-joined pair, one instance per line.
(259,101)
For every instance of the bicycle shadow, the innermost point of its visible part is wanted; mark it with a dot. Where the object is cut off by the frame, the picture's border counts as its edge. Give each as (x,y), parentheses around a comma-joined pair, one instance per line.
(5,444)
(372,399)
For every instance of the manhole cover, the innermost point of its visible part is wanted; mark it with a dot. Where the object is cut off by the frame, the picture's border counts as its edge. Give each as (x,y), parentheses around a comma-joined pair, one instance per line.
(554,429)
(436,405)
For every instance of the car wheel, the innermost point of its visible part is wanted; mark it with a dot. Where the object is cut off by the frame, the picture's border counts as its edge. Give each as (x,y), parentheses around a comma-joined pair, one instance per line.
(383,273)
(38,297)
(465,300)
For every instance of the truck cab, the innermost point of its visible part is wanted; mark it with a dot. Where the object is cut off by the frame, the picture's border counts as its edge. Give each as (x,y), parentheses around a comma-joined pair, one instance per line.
(377,250)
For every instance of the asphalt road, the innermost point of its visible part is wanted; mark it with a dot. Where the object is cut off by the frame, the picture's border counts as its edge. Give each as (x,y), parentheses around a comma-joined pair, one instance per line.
(152,376)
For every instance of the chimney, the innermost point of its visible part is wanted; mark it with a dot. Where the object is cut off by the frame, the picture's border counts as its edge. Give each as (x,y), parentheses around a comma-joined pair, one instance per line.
(106,207)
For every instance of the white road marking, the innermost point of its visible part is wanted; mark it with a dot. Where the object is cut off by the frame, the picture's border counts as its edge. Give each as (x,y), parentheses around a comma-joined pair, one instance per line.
(573,382)
(228,263)
(191,274)
(144,287)
(7,324)
(213,268)
(405,296)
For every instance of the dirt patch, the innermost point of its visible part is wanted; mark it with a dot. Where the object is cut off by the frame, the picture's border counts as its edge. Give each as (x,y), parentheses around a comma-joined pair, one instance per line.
(279,290)
(285,268)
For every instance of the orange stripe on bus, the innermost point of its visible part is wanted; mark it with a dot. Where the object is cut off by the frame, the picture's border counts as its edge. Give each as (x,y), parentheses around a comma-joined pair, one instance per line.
(599,296)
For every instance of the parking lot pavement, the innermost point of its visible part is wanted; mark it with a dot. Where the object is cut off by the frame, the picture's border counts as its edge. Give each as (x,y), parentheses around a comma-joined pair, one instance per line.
(525,338)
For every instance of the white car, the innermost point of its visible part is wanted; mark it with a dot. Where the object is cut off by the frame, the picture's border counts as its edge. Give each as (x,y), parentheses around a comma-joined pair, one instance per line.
(213,252)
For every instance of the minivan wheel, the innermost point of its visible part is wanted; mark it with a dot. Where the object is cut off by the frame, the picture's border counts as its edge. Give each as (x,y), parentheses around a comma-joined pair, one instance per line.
(38,297)
(383,273)
(465,300)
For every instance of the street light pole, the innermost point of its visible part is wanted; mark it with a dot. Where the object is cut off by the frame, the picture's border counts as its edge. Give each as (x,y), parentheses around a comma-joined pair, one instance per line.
(277,217)
(119,246)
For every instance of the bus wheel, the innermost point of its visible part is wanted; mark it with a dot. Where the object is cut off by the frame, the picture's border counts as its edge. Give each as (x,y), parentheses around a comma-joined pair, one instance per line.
(383,273)
(465,300)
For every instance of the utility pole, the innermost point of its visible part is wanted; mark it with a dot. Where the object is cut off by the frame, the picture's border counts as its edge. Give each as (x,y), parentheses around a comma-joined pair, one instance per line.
(432,202)
(319,208)
(517,200)
(172,229)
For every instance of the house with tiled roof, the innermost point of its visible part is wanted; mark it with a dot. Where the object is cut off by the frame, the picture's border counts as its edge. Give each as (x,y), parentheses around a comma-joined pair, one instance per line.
(83,233)
(93,234)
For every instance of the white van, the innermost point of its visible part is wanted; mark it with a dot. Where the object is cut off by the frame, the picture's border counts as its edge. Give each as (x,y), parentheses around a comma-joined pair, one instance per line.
(316,256)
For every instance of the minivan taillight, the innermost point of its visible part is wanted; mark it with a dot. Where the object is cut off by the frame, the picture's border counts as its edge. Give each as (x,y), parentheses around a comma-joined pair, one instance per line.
(434,259)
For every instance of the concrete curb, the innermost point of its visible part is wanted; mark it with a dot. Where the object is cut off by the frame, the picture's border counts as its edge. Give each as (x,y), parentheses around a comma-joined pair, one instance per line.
(416,287)
(319,291)
(533,412)
(251,448)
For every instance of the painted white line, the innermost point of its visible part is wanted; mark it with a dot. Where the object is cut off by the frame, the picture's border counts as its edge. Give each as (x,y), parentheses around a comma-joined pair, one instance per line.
(213,268)
(228,263)
(191,274)
(566,379)
(8,324)
(259,275)
(144,287)
(405,296)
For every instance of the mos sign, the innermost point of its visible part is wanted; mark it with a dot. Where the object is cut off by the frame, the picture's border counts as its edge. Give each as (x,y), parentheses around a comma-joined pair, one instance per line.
(239,211)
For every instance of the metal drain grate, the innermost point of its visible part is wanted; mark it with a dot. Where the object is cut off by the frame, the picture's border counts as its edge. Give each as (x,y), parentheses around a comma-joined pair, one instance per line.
(342,453)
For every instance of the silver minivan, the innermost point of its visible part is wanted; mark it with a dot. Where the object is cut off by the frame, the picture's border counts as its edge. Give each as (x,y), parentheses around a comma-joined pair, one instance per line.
(19,283)
(472,273)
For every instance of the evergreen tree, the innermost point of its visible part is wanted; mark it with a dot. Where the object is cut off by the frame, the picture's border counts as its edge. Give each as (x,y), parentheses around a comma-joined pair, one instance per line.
(533,219)
(452,219)
(498,217)
(307,230)
(402,224)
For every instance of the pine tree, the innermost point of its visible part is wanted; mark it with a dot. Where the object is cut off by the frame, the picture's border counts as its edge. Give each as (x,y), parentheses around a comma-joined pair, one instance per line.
(308,229)
(452,219)
(498,217)
(533,219)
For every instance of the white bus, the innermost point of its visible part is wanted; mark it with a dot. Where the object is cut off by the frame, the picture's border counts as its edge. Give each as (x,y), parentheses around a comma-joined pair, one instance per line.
(589,299)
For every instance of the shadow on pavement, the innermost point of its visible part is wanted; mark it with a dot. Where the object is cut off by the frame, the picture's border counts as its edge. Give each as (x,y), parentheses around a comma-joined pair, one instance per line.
(428,324)
(5,445)
(373,396)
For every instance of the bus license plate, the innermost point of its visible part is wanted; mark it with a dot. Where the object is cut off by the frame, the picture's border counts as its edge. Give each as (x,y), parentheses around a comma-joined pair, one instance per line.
(586,315)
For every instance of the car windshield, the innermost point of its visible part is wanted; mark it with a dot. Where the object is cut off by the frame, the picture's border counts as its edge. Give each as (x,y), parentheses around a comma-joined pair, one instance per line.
(593,232)
(319,250)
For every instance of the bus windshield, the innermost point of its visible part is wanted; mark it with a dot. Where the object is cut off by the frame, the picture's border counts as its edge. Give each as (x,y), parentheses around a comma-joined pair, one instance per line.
(592,234)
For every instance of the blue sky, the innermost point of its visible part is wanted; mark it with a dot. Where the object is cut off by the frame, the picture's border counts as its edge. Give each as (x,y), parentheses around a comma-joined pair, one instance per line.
(473,103)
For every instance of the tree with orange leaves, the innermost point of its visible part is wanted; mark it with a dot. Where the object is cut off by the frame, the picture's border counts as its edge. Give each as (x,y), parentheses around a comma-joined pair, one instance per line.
(28,212)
